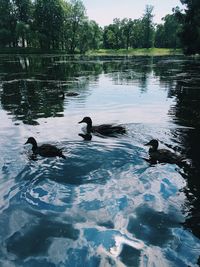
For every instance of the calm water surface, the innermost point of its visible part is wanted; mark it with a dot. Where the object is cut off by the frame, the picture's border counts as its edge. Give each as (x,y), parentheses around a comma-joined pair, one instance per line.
(104,205)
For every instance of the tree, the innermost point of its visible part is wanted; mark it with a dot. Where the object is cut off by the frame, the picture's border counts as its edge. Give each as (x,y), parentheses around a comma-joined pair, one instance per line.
(137,35)
(127,30)
(74,23)
(148,28)
(85,37)
(190,35)
(97,35)
(117,34)
(65,29)
(113,35)
(49,21)
(130,33)
(7,24)
(109,37)
(167,35)
(160,37)
(90,36)
(23,15)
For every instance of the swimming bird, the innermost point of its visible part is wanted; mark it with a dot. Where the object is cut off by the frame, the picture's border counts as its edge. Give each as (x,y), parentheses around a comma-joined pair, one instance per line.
(104,129)
(72,94)
(62,94)
(163,155)
(86,137)
(45,150)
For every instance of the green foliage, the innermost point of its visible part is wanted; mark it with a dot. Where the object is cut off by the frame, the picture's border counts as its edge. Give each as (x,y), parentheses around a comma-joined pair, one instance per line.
(63,25)
(45,24)
(136,39)
(136,52)
(128,33)
(22,10)
(7,24)
(167,34)
(190,35)
(49,18)
(109,37)
(74,23)
(148,28)
(90,36)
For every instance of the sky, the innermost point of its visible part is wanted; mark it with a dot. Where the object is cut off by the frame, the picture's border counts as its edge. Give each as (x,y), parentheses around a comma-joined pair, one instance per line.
(104,11)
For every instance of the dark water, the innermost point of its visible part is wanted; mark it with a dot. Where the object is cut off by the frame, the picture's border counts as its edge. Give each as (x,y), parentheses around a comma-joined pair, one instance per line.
(104,205)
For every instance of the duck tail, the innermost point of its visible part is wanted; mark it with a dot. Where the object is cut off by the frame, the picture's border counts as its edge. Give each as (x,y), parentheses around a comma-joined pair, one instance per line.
(186,164)
(122,130)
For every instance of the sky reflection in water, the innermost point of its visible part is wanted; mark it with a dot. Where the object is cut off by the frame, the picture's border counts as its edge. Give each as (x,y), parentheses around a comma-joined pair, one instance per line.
(104,205)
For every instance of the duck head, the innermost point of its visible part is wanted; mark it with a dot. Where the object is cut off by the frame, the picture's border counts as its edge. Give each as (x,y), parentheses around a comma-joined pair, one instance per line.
(32,141)
(153,144)
(87,120)
(61,95)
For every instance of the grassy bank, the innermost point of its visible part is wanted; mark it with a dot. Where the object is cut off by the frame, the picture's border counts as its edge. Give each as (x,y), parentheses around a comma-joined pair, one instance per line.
(26,51)
(136,52)
(100,52)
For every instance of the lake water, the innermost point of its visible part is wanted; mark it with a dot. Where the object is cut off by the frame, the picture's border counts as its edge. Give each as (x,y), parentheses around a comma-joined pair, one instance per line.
(105,205)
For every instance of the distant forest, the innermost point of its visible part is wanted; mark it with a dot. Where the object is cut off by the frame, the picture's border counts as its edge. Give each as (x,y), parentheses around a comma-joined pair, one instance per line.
(63,25)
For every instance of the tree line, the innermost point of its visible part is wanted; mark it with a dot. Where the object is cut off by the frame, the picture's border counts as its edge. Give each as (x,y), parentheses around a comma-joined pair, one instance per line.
(63,25)
(47,24)
(142,32)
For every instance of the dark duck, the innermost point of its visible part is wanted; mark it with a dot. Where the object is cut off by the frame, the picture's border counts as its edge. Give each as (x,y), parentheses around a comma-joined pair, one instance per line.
(62,94)
(86,137)
(163,155)
(104,129)
(45,150)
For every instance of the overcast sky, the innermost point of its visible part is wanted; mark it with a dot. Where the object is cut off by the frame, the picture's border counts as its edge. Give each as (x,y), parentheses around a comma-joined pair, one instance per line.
(104,11)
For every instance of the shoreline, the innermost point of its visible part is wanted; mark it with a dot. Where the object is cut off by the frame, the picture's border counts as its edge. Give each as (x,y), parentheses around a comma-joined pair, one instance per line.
(99,52)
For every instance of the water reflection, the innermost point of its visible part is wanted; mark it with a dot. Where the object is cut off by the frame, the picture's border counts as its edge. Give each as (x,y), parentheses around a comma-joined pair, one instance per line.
(183,84)
(32,86)
(105,205)
(149,223)
(36,241)
(30,100)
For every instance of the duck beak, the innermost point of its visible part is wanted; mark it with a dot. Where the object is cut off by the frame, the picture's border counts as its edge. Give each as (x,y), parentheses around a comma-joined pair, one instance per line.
(147,144)
(26,143)
(81,121)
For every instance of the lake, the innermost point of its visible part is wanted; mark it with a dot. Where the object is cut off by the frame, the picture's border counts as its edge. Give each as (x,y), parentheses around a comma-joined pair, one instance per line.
(105,205)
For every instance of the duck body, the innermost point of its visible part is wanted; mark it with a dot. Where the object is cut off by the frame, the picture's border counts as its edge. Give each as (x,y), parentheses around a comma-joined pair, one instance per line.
(86,137)
(162,155)
(72,94)
(62,94)
(108,129)
(45,150)
(104,129)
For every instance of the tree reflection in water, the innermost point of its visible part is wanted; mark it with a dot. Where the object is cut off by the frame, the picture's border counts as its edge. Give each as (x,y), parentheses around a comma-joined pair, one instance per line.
(31,89)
